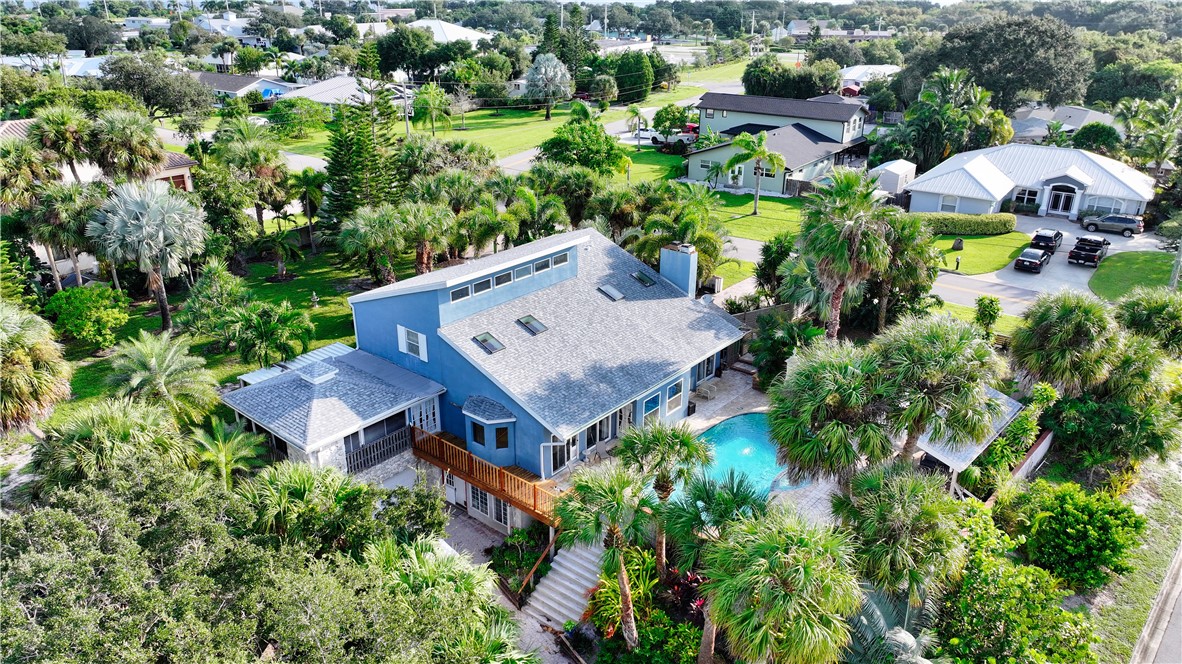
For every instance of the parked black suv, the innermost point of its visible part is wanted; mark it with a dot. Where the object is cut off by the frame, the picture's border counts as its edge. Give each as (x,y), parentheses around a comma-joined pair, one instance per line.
(1047,239)
(1115,223)
(1089,250)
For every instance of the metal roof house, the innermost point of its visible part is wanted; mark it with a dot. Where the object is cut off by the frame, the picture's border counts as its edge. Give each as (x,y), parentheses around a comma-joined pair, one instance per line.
(1059,181)
(526,362)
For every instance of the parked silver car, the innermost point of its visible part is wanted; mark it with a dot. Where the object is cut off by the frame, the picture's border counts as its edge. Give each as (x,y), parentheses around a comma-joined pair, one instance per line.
(1115,223)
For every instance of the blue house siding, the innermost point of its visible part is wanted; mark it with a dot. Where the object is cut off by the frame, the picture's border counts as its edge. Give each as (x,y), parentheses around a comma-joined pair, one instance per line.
(377,321)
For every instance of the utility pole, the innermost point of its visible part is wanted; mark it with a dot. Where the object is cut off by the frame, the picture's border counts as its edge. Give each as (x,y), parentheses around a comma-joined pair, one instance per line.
(605,21)
(561,16)
(752,21)
(407,108)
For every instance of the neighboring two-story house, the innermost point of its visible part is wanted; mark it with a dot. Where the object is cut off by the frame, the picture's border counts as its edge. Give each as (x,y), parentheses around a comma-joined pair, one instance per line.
(525,363)
(812,135)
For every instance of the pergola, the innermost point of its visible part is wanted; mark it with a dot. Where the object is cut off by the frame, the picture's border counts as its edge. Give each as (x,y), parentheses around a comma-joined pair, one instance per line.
(960,457)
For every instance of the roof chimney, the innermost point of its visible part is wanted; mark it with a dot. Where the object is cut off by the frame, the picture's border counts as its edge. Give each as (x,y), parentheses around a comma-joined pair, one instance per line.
(679,264)
(229,16)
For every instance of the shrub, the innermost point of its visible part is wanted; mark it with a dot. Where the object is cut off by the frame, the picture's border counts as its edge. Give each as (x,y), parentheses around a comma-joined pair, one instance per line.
(513,558)
(90,314)
(293,118)
(741,304)
(1080,537)
(776,340)
(950,223)
(661,640)
(1156,313)
(416,512)
(987,312)
(603,611)
(1011,446)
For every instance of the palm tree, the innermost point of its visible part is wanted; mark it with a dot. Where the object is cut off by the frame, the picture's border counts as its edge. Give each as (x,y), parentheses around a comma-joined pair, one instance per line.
(618,206)
(607,503)
(432,106)
(686,219)
(914,261)
(154,226)
(267,333)
(484,225)
(124,144)
(503,186)
(376,234)
(907,530)
(636,121)
(828,412)
(282,247)
(580,113)
(1066,340)
(227,448)
(942,368)
(308,187)
(260,158)
(888,629)
(702,514)
(844,229)
(93,438)
(717,170)
(159,369)
(23,168)
(58,218)
(34,375)
(536,217)
(755,148)
(61,131)
(670,455)
(780,588)
(424,225)
(226,47)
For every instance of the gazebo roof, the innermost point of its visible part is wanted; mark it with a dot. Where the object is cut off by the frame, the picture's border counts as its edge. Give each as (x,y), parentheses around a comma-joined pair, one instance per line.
(960,457)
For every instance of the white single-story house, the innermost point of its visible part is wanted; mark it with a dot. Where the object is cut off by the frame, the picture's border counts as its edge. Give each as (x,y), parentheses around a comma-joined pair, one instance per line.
(444,32)
(859,75)
(894,175)
(229,24)
(1059,181)
(344,90)
(1031,122)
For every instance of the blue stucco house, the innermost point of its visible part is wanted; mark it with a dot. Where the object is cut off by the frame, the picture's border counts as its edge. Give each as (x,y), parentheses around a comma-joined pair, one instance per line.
(530,360)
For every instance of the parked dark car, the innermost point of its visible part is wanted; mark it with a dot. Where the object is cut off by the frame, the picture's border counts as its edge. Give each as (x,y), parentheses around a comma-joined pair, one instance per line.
(1047,239)
(1088,250)
(1032,260)
(1115,223)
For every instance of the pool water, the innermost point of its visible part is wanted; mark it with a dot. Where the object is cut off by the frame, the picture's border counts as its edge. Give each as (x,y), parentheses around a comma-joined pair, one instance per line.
(744,444)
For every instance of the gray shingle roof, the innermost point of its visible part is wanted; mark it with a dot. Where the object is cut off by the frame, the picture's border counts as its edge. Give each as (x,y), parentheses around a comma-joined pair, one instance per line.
(787,108)
(489,410)
(304,412)
(749,128)
(596,354)
(799,145)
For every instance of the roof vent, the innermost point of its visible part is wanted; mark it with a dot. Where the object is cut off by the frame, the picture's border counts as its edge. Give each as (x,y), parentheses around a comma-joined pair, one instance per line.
(611,292)
(316,372)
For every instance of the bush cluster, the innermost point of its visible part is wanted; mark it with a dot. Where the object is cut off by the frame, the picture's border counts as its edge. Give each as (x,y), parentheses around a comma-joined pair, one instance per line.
(661,640)
(90,314)
(951,223)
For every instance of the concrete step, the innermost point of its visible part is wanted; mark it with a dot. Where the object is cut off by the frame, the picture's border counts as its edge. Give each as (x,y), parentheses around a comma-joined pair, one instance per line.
(561,594)
(744,368)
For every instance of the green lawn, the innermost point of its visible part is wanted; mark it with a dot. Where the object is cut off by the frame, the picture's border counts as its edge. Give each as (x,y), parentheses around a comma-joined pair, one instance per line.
(1120,273)
(650,164)
(983,253)
(728,73)
(658,99)
(313,145)
(1006,324)
(734,272)
(775,215)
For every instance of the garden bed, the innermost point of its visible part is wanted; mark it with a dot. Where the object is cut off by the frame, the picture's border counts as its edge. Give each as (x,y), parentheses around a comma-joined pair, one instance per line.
(513,559)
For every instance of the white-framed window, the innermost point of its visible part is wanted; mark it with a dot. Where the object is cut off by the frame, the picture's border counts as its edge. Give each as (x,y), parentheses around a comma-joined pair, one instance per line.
(600,431)
(673,398)
(652,408)
(353,442)
(542,265)
(1026,197)
(460,293)
(710,112)
(480,500)
(523,272)
(560,259)
(1105,205)
(503,279)
(707,164)
(501,509)
(724,114)
(763,172)
(482,286)
(412,343)
(561,454)
(948,203)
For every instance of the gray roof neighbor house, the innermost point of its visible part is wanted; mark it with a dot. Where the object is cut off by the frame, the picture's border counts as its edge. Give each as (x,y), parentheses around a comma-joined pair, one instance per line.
(789,108)
(798,144)
(596,351)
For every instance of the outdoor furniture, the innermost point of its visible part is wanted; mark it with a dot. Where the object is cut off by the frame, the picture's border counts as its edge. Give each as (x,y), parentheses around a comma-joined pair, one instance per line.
(706,391)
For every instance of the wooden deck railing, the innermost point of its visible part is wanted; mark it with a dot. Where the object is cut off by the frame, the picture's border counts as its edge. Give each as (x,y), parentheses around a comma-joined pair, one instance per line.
(531,498)
(378,451)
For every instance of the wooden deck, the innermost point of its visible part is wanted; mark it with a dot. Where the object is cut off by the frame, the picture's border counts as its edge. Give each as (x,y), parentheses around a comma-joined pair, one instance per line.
(514,485)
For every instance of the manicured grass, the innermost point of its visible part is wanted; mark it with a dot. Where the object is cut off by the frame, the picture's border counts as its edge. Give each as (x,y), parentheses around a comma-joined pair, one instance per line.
(734,272)
(983,253)
(312,145)
(650,164)
(1006,324)
(658,99)
(1120,273)
(731,72)
(775,215)
(511,131)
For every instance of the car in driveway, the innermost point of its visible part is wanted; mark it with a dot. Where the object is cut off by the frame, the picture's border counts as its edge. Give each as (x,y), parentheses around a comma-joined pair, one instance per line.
(1032,260)
(1088,250)
(1047,239)
(657,138)
(1124,224)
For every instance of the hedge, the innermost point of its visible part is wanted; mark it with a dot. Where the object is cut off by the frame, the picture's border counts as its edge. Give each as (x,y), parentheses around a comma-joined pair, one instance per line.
(950,223)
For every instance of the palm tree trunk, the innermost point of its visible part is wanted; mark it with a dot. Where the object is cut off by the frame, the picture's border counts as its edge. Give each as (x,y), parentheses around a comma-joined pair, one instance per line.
(57,278)
(162,302)
(834,322)
(423,258)
(258,214)
(709,631)
(758,176)
(912,443)
(548,111)
(661,561)
(884,292)
(280,267)
(77,268)
(74,170)
(627,612)
(115,277)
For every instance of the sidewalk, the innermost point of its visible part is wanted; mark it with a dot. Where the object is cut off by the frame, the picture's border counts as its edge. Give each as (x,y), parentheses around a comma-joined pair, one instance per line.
(1161,640)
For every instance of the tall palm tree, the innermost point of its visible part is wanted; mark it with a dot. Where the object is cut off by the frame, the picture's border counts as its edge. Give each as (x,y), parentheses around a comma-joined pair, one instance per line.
(536,216)
(1066,340)
(575,185)
(124,144)
(702,514)
(151,224)
(432,107)
(618,206)
(159,369)
(308,186)
(61,131)
(888,629)
(844,229)
(636,121)
(34,376)
(670,455)
(23,168)
(914,261)
(942,368)
(906,528)
(260,158)
(376,234)
(59,216)
(780,588)
(755,149)
(96,436)
(688,218)
(280,245)
(227,448)
(609,504)
(828,412)
(267,333)
(484,225)
(503,186)
(424,226)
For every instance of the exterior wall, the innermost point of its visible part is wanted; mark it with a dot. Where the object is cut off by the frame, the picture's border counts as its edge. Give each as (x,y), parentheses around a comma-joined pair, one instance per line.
(450,312)
(837,131)
(928,202)
(767,185)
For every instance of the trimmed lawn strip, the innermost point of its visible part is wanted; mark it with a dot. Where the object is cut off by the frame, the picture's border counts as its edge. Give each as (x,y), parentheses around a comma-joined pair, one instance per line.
(775,215)
(650,164)
(734,272)
(1006,324)
(725,73)
(1120,273)
(983,253)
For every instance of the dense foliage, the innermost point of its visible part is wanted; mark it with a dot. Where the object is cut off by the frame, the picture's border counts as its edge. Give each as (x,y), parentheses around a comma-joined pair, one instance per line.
(951,223)
(90,315)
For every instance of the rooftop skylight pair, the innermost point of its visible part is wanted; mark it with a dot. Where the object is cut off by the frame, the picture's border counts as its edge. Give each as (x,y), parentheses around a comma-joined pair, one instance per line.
(491,344)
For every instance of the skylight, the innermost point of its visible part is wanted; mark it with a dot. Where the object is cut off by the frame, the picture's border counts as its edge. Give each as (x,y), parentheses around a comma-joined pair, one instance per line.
(611,292)
(488,342)
(532,324)
(643,278)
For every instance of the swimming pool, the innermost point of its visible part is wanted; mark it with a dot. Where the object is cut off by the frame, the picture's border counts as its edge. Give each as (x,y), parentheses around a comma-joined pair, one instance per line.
(744,444)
